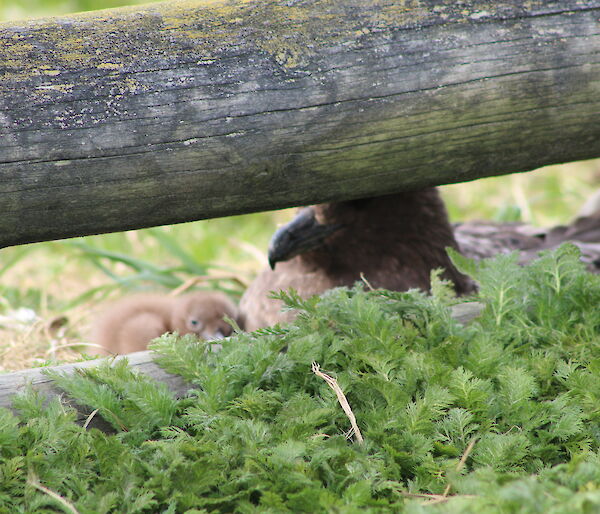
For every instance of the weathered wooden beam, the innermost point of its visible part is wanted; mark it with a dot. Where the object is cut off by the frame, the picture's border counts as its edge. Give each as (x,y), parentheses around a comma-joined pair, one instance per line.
(180,111)
(36,378)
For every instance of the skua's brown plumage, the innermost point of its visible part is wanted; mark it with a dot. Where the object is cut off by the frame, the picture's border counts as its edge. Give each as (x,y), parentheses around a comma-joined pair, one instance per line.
(131,323)
(394,241)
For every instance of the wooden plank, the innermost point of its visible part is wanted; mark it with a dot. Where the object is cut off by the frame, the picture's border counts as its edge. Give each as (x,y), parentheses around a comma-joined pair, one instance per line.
(181,111)
(141,362)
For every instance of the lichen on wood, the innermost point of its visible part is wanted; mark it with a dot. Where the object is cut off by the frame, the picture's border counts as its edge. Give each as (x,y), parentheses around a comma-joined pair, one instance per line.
(172,112)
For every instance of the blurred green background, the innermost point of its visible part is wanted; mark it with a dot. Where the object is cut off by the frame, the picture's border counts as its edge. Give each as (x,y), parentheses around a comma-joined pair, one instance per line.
(23,9)
(49,292)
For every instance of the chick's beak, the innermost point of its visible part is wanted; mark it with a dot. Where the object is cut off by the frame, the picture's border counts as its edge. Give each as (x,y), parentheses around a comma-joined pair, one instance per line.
(300,235)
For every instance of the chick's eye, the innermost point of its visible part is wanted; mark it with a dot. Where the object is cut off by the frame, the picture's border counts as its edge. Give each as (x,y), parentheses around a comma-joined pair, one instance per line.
(194,324)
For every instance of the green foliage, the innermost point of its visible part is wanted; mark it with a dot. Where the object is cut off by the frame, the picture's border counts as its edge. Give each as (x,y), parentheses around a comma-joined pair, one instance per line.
(17,9)
(141,271)
(500,415)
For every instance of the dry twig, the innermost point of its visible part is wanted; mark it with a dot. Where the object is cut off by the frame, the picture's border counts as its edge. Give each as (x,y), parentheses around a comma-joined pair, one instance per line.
(433,498)
(367,283)
(436,498)
(332,382)
(208,278)
(69,507)
(90,417)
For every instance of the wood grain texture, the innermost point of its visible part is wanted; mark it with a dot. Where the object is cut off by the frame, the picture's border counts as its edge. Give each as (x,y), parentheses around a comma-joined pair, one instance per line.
(180,111)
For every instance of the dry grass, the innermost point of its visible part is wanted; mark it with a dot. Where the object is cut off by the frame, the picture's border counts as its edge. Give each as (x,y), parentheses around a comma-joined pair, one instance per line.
(49,338)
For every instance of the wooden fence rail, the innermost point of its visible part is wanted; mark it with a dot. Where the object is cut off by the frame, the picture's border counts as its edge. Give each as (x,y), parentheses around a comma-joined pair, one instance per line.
(180,111)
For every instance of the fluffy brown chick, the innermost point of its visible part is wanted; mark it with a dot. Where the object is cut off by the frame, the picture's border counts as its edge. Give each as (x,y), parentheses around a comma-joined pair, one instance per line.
(394,241)
(131,323)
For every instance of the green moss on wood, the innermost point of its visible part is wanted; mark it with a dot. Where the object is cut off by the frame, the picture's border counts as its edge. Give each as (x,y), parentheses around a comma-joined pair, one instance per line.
(205,29)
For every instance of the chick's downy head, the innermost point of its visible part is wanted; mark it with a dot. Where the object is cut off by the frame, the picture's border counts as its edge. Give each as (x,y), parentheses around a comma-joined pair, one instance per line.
(202,313)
